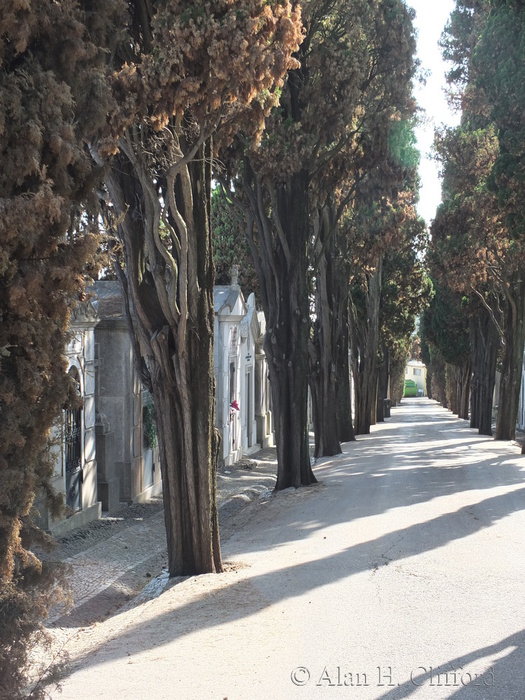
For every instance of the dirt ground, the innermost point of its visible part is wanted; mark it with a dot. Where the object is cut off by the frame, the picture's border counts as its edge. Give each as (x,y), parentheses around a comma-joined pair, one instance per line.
(121,559)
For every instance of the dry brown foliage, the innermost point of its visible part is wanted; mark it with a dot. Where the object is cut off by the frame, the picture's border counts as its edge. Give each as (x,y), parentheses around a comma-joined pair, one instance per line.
(48,80)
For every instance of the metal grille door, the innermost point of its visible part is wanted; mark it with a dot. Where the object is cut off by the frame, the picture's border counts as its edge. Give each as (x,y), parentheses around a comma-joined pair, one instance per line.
(73,455)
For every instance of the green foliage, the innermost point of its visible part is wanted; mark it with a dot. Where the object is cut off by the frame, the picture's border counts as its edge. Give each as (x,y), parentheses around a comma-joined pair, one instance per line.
(479,232)
(457,38)
(230,246)
(478,236)
(500,75)
(403,149)
(406,291)
(445,326)
(437,373)
(425,347)
(406,288)
(149,427)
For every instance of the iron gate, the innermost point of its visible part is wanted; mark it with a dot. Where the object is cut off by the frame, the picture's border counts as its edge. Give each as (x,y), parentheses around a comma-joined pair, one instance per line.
(73,457)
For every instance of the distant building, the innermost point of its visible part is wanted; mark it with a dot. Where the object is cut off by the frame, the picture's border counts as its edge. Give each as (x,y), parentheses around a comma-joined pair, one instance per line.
(417,371)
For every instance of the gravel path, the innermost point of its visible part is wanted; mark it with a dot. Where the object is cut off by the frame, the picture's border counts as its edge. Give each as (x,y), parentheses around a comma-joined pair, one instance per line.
(120,559)
(400,575)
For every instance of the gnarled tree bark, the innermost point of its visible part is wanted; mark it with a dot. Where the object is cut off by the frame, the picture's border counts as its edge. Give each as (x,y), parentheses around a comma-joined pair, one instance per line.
(166,270)
(278,245)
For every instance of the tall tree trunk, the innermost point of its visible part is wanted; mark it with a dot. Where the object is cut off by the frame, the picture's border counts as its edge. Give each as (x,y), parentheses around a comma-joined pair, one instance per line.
(397,378)
(343,387)
(476,357)
(286,346)
(289,386)
(382,384)
(465,374)
(168,289)
(438,370)
(323,393)
(365,396)
(451,384)
(429,382)
(484,344)
(512,363)
(323,376)
(365,338)
(458,388)
(188,453)
(278,242)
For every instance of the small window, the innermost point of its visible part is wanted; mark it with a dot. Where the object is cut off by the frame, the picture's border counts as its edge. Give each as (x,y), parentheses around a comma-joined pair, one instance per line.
(417,372)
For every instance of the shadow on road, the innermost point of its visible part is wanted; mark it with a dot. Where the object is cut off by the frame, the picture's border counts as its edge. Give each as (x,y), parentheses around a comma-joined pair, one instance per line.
(424,454)
(500,673)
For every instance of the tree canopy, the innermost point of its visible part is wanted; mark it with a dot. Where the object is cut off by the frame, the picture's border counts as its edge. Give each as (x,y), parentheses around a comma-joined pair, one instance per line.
(478,234)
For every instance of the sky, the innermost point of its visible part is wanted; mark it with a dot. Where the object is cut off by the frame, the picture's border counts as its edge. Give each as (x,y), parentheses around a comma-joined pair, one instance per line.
(431,17)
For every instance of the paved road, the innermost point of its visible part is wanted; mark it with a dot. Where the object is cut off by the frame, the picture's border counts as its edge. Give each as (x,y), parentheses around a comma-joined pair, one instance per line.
(401,575)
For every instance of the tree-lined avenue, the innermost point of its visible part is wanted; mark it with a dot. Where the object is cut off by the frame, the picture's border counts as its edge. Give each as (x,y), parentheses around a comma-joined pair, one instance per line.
(407,556)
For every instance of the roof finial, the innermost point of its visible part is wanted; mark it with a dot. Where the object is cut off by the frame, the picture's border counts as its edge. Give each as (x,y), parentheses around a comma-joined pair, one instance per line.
(235,276)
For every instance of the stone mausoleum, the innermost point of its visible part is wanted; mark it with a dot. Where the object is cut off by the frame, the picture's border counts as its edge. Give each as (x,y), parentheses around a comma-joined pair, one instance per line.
(106,450)
(74,439)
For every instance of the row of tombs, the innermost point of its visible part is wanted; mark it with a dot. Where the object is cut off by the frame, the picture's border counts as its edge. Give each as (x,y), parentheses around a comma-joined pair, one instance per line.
(106,450)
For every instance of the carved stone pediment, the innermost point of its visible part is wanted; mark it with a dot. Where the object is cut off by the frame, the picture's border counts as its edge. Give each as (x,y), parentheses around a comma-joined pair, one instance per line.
(84,312)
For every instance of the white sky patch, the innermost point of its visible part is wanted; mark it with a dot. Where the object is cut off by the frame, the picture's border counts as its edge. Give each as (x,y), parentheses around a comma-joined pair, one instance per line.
(430,21)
